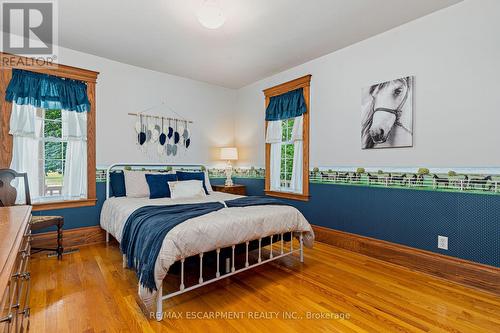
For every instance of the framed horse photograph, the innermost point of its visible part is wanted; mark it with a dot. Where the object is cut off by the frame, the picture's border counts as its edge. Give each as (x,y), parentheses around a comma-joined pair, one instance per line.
(387,114)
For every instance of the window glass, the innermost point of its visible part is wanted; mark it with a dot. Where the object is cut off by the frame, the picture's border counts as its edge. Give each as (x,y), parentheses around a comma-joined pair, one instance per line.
(53,155)
(287,148)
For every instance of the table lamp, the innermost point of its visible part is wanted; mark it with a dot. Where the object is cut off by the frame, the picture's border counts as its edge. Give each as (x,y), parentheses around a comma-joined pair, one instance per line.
(229,154)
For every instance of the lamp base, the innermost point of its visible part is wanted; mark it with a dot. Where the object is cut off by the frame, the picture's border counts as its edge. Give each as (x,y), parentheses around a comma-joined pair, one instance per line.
(229,172)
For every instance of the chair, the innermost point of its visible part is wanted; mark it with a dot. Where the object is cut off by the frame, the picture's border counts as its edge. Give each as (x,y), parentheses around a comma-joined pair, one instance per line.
(8,195)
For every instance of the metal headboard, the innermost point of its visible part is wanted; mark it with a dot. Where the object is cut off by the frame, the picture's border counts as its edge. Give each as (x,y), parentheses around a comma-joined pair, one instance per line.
(160,166)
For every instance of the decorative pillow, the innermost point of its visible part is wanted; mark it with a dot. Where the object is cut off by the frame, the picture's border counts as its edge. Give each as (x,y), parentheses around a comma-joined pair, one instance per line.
(182,175)
(117,181)
(158,185)
(186,189)
(135,183)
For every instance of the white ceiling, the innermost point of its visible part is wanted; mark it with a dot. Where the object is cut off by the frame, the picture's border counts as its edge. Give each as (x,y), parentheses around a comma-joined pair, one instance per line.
(259,38)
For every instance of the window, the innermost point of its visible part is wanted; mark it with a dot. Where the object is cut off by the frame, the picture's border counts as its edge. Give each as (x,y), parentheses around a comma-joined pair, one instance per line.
(50,145)
(287,141)
(48,151)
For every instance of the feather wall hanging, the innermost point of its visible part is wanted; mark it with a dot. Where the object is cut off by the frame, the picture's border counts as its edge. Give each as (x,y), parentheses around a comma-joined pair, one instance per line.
(161,136)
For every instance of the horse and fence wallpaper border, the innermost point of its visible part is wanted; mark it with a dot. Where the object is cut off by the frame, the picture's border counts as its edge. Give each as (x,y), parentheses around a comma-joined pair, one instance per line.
(462,180)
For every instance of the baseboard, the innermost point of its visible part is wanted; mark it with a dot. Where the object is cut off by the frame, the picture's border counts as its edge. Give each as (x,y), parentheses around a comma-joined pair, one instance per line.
(465,272)
(71,237)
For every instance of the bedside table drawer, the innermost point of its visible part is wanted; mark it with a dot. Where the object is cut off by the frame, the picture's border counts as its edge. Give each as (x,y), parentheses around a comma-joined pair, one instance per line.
(235,189)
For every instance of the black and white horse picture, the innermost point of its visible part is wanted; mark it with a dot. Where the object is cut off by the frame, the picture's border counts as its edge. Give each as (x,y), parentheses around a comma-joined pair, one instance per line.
(387,114)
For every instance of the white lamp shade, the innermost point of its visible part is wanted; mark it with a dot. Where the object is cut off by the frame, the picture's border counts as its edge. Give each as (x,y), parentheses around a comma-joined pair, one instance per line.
(229,153)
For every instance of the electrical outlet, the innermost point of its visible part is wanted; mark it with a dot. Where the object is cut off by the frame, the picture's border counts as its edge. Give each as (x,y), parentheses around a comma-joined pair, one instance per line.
(443,242)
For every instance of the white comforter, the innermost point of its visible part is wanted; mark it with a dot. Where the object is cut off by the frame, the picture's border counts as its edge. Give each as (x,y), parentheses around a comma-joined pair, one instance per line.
(205,233)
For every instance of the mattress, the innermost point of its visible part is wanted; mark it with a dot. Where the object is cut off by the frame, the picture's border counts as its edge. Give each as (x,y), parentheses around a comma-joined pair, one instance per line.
(205,233)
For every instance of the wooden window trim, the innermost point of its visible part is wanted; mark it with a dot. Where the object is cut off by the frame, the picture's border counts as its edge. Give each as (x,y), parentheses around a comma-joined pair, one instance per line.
(287,195)
(64,204)
(305,83)
(9,62)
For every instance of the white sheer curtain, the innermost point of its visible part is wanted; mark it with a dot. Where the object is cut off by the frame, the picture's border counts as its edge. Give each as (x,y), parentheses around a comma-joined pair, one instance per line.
(296,181)
(26,129)
(74,129)
(273,136)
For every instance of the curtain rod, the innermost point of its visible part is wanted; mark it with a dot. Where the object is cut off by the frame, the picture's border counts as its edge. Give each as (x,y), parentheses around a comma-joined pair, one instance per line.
(159,117)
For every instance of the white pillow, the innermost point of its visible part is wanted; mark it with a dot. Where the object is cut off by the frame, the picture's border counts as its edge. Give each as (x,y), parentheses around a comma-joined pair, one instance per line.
(186,189)
(136,185)
(207,181)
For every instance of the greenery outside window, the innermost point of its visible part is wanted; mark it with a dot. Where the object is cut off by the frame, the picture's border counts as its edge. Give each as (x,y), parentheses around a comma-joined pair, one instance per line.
(52,154)
(287,150)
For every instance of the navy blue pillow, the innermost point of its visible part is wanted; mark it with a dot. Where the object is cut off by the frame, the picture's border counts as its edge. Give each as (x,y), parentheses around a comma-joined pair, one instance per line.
(158,185)
(117,180)
(182,175)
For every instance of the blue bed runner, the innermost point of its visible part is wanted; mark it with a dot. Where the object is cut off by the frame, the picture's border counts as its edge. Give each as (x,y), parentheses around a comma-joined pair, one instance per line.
(146,228)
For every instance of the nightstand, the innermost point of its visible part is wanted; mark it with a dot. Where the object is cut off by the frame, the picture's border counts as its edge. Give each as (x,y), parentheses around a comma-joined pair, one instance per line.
(235,189)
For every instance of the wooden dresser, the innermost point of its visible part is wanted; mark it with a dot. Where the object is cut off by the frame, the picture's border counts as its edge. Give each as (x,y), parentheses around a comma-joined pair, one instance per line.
(15,238)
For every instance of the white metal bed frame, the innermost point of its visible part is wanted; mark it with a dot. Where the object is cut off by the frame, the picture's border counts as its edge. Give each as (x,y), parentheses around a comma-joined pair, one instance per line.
(201,281)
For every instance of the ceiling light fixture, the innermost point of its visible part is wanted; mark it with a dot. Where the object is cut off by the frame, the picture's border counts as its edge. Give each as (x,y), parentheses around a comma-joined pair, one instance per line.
(210,14)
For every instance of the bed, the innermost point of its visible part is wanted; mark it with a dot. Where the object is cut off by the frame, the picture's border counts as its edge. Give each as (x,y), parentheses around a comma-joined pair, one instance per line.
(224,228)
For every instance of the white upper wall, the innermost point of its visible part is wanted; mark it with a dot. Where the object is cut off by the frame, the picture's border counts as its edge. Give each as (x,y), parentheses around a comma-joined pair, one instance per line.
(166,35)
(454,55)
(123,88)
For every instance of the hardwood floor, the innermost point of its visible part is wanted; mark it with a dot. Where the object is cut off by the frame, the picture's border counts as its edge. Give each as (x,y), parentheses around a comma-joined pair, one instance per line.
(89,291)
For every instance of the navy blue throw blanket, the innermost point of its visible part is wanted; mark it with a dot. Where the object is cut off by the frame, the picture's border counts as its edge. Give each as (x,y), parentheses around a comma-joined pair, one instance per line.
(146,228)
(253,201)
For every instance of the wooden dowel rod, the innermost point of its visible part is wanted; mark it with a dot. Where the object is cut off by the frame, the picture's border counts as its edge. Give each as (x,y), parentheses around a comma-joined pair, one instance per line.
(159,117)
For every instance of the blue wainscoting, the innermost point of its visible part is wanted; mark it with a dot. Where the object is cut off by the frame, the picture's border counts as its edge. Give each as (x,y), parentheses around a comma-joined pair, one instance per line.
(410,217)
(83,216)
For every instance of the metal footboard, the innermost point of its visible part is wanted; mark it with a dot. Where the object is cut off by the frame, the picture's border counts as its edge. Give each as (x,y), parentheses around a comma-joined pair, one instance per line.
(202,282)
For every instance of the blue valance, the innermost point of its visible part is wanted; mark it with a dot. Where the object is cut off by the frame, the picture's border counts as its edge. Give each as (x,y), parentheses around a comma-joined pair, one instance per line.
(288,105)
(47,91)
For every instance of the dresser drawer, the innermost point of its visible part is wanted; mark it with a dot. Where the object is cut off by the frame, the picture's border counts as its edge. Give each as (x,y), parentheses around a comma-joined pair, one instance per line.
(23,281)
(6,313)
(14,304)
